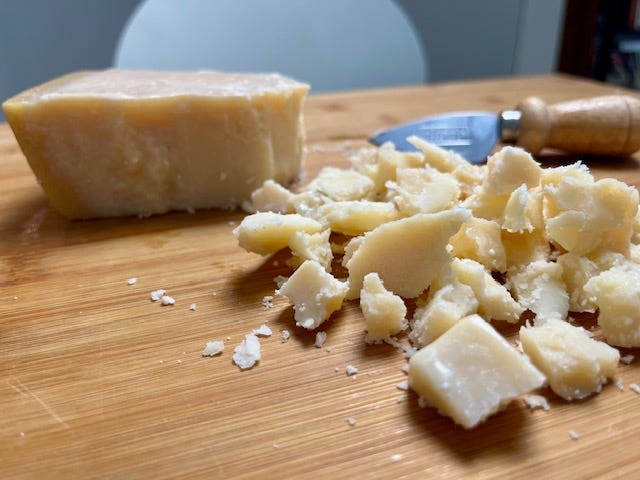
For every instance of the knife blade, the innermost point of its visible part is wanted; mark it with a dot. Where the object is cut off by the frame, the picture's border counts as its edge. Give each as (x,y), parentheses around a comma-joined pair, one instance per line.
(607,125)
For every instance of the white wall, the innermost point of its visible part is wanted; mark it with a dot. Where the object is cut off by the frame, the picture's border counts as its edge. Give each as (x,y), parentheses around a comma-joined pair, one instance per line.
(487,38)
(40,39)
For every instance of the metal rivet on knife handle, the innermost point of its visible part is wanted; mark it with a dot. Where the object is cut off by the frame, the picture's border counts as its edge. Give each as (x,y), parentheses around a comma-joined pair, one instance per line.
(606,125)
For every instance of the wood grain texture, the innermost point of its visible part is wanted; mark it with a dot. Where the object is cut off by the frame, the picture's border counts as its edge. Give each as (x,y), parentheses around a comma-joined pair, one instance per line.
(96,381)
(603,125)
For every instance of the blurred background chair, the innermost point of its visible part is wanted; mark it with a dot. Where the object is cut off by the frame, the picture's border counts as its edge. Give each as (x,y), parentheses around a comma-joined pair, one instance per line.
(331,44)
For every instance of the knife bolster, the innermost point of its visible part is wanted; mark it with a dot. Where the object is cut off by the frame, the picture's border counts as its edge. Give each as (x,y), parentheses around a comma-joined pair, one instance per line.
(509,125)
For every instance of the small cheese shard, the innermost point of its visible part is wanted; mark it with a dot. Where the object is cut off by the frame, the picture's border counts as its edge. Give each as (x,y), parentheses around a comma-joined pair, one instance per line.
(268,232)
(480,240)
(447,306)
(135,142)
(247,353)
(311,246)
(422,190)
(539,287)
(355,217)
(494,300)
(314,293)
(384,313)
(212,349)
(471,372)
(575,365)
(341,185)
(510,168)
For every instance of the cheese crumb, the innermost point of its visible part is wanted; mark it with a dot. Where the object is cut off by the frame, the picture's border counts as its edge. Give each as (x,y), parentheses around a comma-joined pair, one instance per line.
(635,387)
(351,370)
(285,335)
(280,280)
(619,384)
(351,421)
(536,401)
(573,435)
(627,359)
(157,294)
(167,300)
(262,331)
(192,307)
(213,348)
(132,281)
(267,302)
(403,385)
(321,337)
(396,457)
(247,353)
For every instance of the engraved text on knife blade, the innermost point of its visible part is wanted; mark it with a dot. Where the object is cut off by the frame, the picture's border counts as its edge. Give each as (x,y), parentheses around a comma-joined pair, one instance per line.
(447,136)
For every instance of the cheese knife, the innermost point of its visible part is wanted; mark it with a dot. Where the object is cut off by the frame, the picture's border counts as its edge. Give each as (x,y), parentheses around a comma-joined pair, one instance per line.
(607,125)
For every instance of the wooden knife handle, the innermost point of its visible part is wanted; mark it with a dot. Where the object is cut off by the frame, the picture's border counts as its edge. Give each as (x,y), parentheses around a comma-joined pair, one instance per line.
(607,125)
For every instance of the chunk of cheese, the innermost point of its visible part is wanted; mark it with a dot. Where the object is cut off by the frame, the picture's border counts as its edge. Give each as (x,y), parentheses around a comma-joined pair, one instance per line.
(123,142)
(422,190)
(494,300)
(407,253)
(587,217)
(471,371)
(341,185)
(311,246)
(314,293)
(480,240)
(446,307)
(268,232)
(356,217)
(540,288)
(616,293)
(575,364)
(384,313)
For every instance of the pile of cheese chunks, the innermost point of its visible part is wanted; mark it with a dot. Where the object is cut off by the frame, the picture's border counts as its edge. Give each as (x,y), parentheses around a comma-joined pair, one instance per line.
(467,247)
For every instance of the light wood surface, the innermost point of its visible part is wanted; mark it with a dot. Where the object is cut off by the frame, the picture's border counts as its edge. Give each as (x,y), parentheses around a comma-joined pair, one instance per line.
(96,381)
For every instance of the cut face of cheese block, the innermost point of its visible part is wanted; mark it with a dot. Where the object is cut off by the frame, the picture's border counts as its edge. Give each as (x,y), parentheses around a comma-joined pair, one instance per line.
(471,371)
(123,142)
(575,364)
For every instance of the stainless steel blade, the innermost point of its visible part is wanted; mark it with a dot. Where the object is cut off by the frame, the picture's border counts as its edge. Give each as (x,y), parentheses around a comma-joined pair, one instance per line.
(471,134)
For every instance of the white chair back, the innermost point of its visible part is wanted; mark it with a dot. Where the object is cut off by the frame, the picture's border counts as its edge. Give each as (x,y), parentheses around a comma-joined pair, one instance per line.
(331,44)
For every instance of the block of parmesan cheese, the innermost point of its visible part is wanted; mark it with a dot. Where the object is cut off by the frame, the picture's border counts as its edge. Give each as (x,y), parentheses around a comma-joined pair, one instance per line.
(133,142)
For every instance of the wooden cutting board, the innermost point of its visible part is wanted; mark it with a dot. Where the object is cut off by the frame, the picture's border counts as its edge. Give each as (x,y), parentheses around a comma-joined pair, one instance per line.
(97,381)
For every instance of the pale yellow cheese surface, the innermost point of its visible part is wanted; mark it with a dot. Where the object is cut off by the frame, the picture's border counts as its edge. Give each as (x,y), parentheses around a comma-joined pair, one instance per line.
(128,142)
(575,364)
(471,371)
(314,293)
